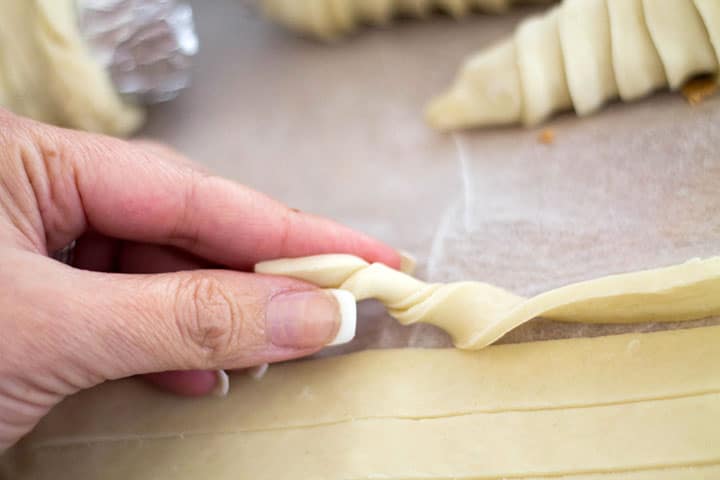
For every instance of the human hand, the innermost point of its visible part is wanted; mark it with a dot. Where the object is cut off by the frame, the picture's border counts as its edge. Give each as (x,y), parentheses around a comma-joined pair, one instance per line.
(158,283)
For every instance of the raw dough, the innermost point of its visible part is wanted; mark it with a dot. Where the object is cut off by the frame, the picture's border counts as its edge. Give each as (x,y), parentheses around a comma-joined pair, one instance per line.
(540,58)
(495,72)
(710,13)
(636,63)
(47,73)
(477,314)
(681,39)
(609,48)
(584,28)
(637,406)
(329,19)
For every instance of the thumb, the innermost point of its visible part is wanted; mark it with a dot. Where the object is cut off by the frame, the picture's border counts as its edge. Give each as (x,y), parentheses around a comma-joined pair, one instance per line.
(207,320)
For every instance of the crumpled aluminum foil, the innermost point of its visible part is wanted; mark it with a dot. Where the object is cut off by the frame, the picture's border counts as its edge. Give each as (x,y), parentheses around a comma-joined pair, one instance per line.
(146,45)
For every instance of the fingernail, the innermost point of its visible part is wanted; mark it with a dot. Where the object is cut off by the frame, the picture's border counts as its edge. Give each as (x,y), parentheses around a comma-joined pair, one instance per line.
(407,262)
(258,371)
(222,384)
(348,316)
(311,319)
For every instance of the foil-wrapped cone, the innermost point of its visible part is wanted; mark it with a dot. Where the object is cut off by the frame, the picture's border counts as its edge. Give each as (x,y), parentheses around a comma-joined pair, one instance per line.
(145,45)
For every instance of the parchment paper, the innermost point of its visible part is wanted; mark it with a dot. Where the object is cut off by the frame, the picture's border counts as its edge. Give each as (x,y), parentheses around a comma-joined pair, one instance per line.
(338,130)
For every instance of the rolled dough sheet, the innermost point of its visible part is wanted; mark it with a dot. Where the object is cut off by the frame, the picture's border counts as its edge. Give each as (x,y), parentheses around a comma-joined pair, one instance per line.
(629,406)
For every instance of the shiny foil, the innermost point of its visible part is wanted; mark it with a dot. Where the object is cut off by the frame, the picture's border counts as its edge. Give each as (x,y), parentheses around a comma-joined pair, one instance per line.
(146,45)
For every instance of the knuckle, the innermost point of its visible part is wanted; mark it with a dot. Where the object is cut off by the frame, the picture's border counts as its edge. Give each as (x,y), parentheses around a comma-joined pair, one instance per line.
(286,223)
(185,231)
(208,319)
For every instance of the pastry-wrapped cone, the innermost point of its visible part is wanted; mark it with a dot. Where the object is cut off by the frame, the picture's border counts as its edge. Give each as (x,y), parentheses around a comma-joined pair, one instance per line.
(581,55)
(47,72)
(329,19)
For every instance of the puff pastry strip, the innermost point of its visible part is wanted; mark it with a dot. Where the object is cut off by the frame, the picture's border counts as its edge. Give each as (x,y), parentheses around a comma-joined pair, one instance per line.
(632,407)
(329,19)
(476,314)
(580,55)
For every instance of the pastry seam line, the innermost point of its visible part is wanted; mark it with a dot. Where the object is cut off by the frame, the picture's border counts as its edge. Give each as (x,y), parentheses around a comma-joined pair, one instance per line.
(99,439)
(532,476)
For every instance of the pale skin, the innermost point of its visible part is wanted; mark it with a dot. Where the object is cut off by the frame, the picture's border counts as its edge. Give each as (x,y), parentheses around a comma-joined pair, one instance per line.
(158,286)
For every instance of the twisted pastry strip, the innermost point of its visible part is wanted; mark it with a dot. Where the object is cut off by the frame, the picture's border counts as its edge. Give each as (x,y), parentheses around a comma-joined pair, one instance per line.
(329,19)
(582,54)
(477,314)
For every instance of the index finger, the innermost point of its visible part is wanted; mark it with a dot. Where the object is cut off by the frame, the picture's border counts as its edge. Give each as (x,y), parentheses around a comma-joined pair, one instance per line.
(131,193)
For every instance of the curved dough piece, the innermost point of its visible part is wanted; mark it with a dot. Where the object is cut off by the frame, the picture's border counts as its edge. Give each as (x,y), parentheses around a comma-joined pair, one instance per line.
(710,13)
(477,314)
(584,29)
(609,48)
(637,65)
(46,72)
(377,12)
(681,38)
(329,19)
(540,63)
(630,407)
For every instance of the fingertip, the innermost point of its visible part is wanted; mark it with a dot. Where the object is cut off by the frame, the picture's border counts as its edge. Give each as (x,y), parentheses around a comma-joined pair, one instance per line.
(189,383)
(408,262)
(369,249)
(380,253)
(348,317)
(308,234)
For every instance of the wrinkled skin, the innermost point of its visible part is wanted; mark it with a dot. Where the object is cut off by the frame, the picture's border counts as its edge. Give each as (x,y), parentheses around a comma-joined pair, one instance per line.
(157,283)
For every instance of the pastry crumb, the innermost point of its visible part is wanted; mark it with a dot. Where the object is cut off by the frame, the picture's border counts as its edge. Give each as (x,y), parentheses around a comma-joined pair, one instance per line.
(698,89)
(547,136)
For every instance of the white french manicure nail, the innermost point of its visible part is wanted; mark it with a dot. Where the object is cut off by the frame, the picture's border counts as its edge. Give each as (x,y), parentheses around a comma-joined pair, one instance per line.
(407,262)
(222,387)
(348,316)
(258,371)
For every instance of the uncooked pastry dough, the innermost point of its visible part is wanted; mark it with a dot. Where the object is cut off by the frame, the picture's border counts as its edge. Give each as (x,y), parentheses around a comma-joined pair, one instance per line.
(47,73)
(476,314)
(582,54)
(329,19)
(637,407)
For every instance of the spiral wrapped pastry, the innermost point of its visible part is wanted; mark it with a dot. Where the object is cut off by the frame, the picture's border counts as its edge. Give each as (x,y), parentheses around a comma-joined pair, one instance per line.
(48,73)
(580,55)
(91,64)
(476,314)
(329,19)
